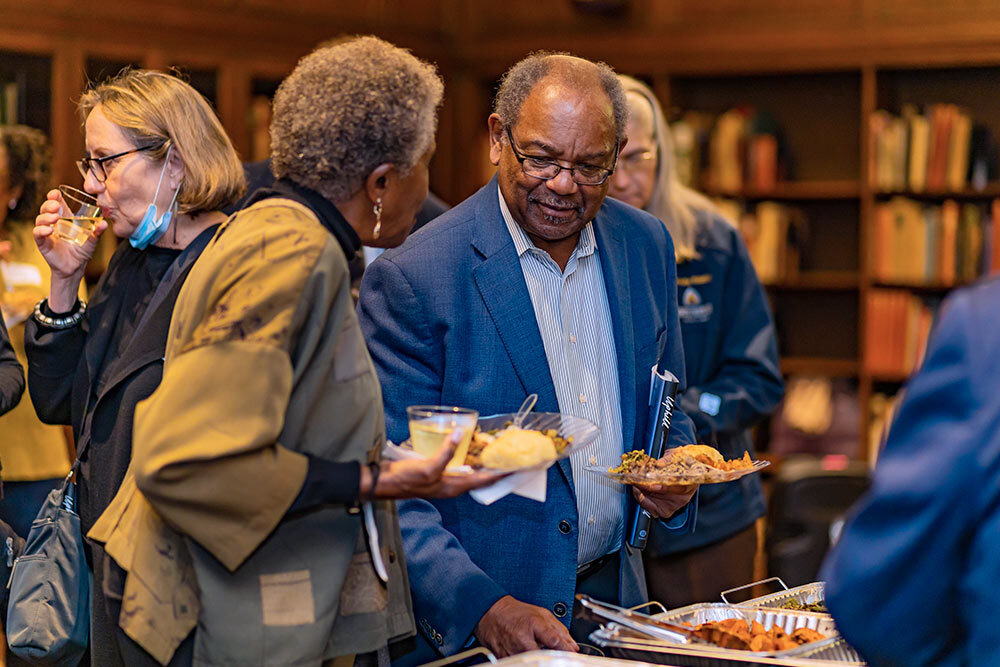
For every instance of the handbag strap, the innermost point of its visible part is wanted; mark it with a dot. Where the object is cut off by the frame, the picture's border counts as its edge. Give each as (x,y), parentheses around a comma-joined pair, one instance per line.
(177,271)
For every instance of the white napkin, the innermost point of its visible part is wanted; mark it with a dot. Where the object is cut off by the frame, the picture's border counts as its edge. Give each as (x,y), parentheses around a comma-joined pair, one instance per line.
(529,484)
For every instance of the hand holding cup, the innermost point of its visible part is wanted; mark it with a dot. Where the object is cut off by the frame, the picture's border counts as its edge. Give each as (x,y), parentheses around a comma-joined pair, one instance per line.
(65,234)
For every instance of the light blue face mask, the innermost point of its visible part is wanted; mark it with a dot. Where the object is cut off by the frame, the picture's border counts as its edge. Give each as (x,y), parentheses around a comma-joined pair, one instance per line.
(152,228)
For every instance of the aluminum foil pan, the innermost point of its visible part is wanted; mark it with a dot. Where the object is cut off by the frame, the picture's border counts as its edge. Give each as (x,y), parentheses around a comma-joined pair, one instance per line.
(786,619)
(807,594)
(620,643)
(627,644)
(561,659)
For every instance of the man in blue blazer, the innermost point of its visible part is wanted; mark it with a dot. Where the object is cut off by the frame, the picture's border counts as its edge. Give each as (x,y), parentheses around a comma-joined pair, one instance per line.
(535,284)
(912,580)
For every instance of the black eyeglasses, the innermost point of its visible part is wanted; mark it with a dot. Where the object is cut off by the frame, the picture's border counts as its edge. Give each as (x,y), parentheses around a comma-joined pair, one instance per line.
(544,168)
(96,165)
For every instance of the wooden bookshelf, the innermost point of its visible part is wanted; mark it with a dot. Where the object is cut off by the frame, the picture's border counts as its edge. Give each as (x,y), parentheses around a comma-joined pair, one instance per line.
(834,281)
(796,190)
(844,368)
(991,191)
(930,288)
(889,378)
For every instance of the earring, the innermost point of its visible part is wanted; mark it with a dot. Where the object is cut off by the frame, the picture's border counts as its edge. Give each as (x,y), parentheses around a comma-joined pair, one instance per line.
(377,210)
(12,205)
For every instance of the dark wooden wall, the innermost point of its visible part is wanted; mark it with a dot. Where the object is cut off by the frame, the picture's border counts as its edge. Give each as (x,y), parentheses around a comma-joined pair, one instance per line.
(473,41)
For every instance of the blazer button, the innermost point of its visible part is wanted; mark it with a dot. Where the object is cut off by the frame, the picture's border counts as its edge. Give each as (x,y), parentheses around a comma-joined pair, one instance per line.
(559,609)
(564,527)
(439,639)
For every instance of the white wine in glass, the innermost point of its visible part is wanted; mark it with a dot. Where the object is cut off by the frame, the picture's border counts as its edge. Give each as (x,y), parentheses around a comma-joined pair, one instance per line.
(431,424)
(77,224)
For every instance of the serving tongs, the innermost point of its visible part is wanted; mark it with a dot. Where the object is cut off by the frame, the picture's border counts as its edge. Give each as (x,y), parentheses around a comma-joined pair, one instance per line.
(641,623)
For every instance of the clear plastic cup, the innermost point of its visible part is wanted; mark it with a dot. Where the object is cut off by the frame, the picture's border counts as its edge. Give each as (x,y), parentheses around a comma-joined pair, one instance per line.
(77,224)
(431,424)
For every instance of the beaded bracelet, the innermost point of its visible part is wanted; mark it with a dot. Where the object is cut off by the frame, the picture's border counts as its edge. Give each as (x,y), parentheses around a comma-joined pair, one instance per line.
(66,322)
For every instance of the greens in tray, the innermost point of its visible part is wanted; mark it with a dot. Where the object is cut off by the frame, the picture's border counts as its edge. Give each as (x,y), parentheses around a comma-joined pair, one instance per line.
(801,606)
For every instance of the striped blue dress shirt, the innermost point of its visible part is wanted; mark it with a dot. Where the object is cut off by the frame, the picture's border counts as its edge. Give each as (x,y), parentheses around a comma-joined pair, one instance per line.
(571,308)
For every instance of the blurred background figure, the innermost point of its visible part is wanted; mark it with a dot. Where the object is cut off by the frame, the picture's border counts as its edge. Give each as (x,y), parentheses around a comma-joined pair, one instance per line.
(11,375)
(731,358)
(35,456)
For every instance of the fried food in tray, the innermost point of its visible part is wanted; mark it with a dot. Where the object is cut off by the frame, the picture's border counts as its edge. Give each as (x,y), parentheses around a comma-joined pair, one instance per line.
(690,464)
(737,633)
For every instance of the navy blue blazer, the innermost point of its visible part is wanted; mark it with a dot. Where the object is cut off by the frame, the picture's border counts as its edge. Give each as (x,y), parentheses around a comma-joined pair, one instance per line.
(912,580)
(448,320)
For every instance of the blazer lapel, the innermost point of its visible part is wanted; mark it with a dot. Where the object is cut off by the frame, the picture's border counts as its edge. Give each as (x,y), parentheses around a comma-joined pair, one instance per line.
(615,267)
(500,282)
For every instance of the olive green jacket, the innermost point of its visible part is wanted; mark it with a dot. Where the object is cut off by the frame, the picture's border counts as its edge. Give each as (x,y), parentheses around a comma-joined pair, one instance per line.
(265,362)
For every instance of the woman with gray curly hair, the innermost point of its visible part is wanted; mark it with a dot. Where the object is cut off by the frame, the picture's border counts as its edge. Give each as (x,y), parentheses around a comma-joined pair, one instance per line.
(266,511)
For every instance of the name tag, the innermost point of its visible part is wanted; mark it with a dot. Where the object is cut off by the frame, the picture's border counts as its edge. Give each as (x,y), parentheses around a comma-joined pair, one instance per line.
(709,404)
(15,273)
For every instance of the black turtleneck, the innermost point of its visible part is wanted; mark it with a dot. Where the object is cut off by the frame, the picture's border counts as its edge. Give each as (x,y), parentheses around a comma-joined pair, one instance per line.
(328,215)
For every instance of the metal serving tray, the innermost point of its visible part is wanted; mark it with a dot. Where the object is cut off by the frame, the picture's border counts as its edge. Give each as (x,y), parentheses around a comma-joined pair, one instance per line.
(621,642)
(807,594)
(562,659)
(537,659)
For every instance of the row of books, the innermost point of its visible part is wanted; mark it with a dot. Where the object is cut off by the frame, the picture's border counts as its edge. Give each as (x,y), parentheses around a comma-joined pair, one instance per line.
(10,101)
(942,149)
(919,244)
(774,234)
(737,149)
(897,324)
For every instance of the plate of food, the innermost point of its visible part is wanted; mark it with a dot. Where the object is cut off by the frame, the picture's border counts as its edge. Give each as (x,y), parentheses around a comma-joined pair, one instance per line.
(497,446)
(690,464)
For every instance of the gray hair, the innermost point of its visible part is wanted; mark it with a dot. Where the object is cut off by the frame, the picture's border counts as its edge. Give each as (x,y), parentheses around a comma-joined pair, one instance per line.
(675,204)
(348,108)
(518,82)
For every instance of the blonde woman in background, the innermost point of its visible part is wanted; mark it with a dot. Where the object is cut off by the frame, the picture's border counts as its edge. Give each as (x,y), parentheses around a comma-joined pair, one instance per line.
(730,354)
(35,456)
(160,166)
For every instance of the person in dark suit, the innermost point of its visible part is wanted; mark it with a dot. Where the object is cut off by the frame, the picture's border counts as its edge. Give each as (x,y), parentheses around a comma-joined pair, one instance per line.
(11,374)
(535,284)
(912,579)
